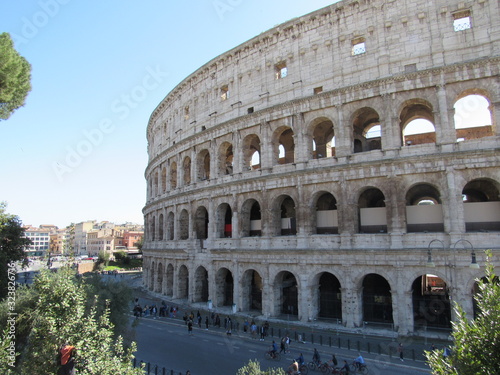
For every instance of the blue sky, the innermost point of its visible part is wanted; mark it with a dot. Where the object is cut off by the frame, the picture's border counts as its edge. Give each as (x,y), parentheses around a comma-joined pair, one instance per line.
(77,150)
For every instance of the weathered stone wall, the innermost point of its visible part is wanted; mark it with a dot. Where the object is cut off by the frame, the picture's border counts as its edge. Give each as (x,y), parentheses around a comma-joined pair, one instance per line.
(204,133)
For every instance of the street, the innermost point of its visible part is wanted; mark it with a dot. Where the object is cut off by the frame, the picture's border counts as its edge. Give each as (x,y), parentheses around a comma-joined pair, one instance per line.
(165,342)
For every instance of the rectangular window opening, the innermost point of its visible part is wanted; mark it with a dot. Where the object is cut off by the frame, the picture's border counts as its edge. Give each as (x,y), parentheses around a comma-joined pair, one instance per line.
(318,90)
(358,49)
(224,93)
(281,70)
(250,110)
(461,24)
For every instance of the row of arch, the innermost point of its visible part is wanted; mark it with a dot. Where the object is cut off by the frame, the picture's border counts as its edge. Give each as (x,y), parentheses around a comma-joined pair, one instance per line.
(416,121)
(424,212)
(324,296)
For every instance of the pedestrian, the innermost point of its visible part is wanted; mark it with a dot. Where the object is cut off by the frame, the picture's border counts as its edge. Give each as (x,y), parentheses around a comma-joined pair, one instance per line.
(188,372)
(400,351)
(334,360)
(433,347)
(66,360)
(253,329)
(190,327)
(282,345)
(206,323)
(262,333)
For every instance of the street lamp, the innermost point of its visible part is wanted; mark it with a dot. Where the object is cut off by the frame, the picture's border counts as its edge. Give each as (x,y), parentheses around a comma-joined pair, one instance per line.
(473,264)
(430,263)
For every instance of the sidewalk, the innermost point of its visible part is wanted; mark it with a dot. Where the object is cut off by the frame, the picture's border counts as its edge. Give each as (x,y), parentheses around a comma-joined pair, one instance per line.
(328,338)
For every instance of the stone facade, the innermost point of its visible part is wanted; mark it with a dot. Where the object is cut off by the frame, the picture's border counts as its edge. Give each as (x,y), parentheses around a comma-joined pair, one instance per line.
(283,179)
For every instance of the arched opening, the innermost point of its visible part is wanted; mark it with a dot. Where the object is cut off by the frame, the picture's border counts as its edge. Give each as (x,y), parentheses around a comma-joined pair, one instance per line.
(285,145)
(424,211)
(326,215)
(186,169)
(183,283)
(330,297)
(372,212)
(473,118)
(288,225)
(203,164)
(251,152)
(170,226)
(417,123)
(173,175)
(224,287)
(431,302)
(224,221)
(184,225)
(226,159)
(252,286)
(251,219)
(377,299)
(323,140)
(153,228)
(287,293)
(200,285)
(201,223)
(481,200)
(367,132)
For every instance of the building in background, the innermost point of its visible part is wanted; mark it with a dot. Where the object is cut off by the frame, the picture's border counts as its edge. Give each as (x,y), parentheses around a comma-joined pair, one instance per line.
(40,238)
(80,237)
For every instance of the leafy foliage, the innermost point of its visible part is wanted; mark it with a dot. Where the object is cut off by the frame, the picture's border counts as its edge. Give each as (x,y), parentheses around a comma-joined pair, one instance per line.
(114,295)
(476,343)
(12,244)
(15,77)
(61,316)
(253,368)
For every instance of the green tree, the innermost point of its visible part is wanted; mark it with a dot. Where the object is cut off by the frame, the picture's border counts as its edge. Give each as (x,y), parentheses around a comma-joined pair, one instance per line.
(61,316)
(15,77)
(253,368)
(476,343)
(139,243)
(12,245)
(115,295)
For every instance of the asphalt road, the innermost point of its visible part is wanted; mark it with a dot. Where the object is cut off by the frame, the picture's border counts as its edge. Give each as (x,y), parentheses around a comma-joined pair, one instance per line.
(165,342)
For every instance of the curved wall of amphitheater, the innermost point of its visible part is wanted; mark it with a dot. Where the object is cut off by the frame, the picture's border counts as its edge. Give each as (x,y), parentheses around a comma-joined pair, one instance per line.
(283,178)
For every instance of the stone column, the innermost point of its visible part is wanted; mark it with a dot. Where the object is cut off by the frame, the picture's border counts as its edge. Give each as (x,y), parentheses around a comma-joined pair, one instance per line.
(495,117)
(343,139)
(445,129)
(237,153)
(266,155)
(304,297)
(390,125)
(352,314)
(402,310)
(453,208)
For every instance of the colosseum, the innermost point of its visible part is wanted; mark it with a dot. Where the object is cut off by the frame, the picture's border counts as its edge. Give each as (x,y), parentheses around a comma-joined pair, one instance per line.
(341,167)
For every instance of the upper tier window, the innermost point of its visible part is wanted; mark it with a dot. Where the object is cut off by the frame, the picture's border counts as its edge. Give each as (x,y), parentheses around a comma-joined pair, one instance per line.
(462,20)
(281,70)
